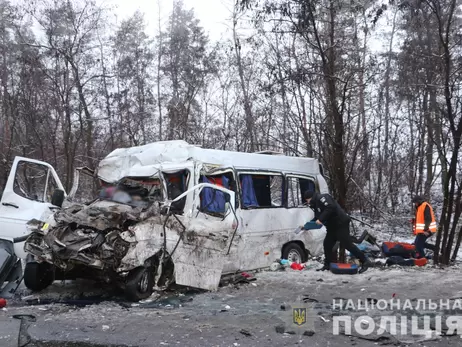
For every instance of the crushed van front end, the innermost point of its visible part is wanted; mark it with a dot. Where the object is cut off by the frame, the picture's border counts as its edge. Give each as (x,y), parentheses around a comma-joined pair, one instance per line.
(98,240)
(133,247)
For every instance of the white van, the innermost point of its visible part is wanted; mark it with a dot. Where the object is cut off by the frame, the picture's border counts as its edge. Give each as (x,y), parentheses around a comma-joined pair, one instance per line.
(180,213)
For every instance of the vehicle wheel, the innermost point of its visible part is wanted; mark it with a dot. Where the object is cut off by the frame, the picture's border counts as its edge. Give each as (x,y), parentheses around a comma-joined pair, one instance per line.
(140,283)
(38,276)
(294,252)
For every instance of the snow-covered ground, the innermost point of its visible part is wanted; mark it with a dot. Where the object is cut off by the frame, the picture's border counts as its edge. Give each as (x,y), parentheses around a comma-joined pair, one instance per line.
(243,315)
(239,315)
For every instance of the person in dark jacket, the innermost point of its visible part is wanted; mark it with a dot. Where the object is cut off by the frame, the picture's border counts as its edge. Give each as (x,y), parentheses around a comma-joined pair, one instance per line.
(329,213)
(424,225)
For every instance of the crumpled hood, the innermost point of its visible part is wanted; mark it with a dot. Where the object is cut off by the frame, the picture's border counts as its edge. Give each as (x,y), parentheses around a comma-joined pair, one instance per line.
(87,234)
(101,215)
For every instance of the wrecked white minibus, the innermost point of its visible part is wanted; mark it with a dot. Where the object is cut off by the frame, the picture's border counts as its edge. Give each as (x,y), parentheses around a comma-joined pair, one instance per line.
(174,212)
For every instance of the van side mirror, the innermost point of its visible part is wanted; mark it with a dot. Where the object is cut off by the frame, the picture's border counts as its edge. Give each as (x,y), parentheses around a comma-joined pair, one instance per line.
(58,198)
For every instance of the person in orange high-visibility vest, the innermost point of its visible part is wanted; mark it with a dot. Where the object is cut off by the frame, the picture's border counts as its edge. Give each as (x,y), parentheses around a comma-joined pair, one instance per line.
(424,225)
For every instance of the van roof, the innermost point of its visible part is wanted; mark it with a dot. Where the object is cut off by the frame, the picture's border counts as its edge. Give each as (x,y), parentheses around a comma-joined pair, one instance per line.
(146,160)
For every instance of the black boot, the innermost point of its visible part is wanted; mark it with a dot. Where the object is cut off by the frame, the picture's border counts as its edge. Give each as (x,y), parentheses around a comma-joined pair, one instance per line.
(323,268)
(365,265)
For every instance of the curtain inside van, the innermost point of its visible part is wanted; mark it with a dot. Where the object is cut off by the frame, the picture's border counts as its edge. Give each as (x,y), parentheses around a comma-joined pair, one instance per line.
(213,200)
(306,185)
(248,192)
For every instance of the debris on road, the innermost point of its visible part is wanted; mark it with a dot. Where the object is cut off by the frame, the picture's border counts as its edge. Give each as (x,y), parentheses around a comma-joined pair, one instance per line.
(344,269)
(72,302)
(172,301)
(245,332)
(282,264)
(280,329)
(26,320)
(308,299)
(242,278)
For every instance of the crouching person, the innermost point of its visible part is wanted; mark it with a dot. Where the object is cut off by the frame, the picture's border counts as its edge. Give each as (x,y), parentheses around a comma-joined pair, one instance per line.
(329,213)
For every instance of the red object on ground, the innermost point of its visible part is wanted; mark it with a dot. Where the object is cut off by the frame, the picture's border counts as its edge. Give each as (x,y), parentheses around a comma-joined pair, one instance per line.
(2,303)
(297,266)
(246,275)
(420,262)
(407,246)
(343,268)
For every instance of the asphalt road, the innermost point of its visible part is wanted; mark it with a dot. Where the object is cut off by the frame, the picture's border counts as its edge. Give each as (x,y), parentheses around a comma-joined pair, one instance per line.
(253,314)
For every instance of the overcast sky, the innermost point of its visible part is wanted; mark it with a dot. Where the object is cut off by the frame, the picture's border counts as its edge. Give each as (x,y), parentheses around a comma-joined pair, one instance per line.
(213,14)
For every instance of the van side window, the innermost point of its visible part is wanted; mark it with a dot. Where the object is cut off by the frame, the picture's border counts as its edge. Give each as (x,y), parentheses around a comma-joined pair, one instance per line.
(34,181)
(177,184)
(296,186)
(212,201)
(261,191)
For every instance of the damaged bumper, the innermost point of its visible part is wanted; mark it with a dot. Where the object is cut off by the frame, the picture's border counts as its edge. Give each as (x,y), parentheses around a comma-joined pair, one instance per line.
(91,235)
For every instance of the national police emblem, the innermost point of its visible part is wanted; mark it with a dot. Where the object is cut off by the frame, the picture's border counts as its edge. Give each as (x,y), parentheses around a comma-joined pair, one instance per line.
(299,315)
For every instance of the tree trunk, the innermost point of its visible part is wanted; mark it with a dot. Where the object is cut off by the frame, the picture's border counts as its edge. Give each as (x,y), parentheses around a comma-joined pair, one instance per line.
(430,141)
(249,120)
(159,61)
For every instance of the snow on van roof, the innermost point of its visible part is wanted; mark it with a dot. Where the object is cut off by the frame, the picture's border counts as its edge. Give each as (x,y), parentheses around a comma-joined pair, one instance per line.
(169,155)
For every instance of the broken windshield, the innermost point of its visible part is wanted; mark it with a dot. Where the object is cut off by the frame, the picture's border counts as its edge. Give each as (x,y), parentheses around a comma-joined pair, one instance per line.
(139,192)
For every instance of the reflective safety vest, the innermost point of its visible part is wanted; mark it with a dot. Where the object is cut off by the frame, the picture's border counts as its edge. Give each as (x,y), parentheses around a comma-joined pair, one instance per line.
(419,225)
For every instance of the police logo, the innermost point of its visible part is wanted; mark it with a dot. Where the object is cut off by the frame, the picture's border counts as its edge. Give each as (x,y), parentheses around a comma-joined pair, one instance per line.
(299,316)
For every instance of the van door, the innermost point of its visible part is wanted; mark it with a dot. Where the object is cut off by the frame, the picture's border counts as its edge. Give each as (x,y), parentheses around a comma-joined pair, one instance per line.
(224,177)
(210,226)
(296,186)
(27,195)
(267,222)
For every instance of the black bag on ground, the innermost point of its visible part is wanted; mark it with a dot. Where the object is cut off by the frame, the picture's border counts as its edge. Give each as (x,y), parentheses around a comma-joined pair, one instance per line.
(397,260)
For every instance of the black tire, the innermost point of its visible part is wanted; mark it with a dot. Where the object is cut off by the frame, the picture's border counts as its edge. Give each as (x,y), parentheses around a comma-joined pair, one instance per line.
(293,249)
(139,284)
(38,276)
